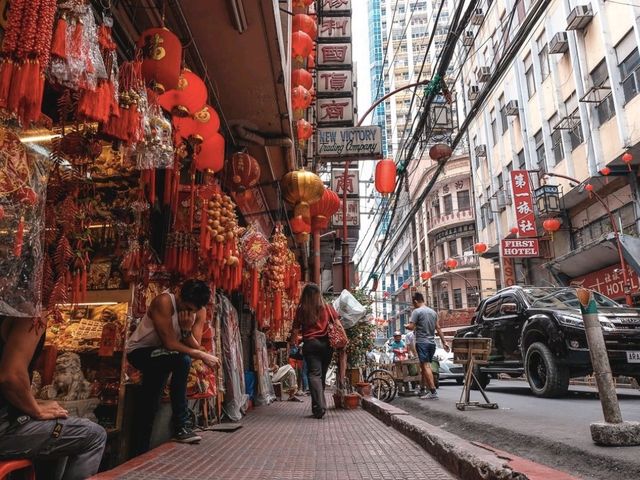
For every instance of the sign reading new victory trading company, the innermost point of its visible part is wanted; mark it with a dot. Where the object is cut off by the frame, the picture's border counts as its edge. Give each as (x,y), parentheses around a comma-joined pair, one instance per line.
(350,143)
(512,247)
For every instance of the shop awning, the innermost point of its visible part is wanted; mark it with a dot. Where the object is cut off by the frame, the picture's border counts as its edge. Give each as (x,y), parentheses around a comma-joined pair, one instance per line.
(595,256)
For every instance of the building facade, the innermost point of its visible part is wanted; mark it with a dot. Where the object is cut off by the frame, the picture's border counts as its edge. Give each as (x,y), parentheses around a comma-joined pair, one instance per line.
(566,110)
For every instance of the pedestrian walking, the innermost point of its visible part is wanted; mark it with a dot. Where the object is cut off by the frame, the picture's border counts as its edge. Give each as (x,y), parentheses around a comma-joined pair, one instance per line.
(425,324)
(312,319)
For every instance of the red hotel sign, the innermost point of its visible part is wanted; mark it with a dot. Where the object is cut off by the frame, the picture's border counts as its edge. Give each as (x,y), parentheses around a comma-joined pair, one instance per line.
(523,203)
(608,281)
(520,247)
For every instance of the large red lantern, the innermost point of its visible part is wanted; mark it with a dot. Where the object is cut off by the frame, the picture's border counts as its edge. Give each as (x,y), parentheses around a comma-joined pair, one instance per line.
(306,24)
(161,58)
(627,158)
(311,61)
(551,225)
(323,210)
(198,127)
(189,97)
(480,247)
(210,154)
(451,263)
(299,76)
(385,176)
(244,171)
(304,130)
(440,151)
(301,46)
(426,275)
(300,98)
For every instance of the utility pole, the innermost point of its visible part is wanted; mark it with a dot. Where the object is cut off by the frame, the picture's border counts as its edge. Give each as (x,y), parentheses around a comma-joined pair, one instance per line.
(613,431)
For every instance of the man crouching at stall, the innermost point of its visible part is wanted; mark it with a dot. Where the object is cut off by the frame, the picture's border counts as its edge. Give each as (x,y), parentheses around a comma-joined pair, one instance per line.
(165,342)
(60,446)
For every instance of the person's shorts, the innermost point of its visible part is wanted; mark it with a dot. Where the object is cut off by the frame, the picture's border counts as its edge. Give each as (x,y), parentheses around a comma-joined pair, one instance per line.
(426,351)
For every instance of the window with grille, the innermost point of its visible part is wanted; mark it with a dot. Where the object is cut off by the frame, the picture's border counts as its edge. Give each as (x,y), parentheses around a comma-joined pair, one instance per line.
(457,298)
(448,204)
(600,80)
(528,73)
(543,57)
(556,140)
(540,154)
(464,200)
(629,64)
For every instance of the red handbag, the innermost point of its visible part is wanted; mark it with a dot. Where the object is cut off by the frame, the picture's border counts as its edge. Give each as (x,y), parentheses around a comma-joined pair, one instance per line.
(337,335)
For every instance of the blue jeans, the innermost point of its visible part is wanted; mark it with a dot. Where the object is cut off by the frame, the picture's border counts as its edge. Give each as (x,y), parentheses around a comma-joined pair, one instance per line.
(156,364)
(74,453)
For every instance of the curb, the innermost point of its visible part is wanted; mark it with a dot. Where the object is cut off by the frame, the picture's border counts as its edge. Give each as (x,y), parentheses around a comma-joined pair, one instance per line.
(467,460)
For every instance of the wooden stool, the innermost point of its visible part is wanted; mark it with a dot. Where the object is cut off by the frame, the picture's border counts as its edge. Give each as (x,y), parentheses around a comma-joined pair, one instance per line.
(25,467)
(471,352)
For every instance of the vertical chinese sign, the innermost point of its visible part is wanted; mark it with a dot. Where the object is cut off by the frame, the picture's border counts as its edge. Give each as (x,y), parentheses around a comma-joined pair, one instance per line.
(523,203)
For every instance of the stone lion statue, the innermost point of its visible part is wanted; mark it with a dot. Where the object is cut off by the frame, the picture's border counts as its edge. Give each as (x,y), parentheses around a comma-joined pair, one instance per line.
(68,380)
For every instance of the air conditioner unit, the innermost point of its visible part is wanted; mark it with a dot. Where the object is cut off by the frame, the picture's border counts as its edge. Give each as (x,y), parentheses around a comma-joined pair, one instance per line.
(484,73)
(478,17)
(559,43)
(468,39)
(473,92)
(481,150)
(511,108)
(579,17)
(503,199)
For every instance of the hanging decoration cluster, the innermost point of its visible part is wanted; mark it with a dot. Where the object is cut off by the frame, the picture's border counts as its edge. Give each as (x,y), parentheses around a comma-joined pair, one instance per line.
(304,33)
(302,188)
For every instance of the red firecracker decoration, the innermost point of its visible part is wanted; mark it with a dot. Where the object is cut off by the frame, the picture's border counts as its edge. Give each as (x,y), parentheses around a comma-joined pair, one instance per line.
(480,247)
(210,154)
(426,275)
(244,171)
(306,24)
(385,176)
(127,126)
(323,210)
(301,46)
(452,263)
(161,58)
(627,158)
(299,76)
(189,97)
(198,127)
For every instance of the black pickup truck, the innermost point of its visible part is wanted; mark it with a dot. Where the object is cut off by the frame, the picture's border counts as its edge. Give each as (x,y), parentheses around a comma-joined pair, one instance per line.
(539,332)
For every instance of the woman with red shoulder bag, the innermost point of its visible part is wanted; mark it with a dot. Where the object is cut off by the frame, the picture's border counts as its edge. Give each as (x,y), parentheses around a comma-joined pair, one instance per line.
(315,319)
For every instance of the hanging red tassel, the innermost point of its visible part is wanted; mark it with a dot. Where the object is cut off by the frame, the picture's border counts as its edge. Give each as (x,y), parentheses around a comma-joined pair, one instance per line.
(17,246)
(255,287)
(6,73)
(59,44)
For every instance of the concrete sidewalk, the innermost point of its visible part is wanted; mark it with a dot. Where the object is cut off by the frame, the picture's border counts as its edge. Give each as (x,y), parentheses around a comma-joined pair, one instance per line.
(283,441)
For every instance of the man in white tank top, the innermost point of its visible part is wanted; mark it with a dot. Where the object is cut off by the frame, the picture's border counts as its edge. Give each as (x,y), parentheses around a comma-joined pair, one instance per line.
(165,342)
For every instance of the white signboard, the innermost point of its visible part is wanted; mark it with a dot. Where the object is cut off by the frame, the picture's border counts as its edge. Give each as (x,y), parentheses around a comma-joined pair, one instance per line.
(350,143)
(335,28)
(334,82)
(334,55)
(338,183)
(335,111)
(353,214)
(336,6)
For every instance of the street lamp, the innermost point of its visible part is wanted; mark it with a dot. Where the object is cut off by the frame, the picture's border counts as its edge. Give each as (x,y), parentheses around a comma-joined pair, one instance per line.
(547,199)
(616,232)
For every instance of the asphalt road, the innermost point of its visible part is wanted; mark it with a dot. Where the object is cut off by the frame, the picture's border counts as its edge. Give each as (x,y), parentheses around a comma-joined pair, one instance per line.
(554,432)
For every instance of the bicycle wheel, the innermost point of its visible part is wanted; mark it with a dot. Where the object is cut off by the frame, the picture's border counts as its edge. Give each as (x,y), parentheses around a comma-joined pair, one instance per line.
(388,378)
(381,389)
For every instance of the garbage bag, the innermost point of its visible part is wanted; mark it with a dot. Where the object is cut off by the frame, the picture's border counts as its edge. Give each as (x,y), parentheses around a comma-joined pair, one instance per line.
(350,310)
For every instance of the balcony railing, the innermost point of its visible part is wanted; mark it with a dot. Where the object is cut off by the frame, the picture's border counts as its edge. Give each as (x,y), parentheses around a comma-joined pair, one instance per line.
(601,227)
(451,218)
(464,261)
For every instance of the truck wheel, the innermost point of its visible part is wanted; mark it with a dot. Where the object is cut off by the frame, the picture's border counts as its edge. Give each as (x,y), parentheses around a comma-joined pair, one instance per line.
(483,378)
(546,377)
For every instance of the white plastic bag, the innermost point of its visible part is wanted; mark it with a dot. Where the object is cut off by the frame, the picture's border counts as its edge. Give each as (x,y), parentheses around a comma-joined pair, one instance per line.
(350,310)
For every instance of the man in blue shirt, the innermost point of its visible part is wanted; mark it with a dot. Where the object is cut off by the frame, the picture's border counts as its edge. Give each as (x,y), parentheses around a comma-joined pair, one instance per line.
(397,344)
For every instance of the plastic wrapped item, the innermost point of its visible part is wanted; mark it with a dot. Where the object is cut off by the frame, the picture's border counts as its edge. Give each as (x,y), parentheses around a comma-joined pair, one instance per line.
(349,309)
(264,387)
(156,151)
(24,173)
(235,397)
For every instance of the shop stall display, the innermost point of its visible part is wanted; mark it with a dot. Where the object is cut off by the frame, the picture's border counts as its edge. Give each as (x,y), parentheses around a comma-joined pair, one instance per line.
(235,397)
(264,392)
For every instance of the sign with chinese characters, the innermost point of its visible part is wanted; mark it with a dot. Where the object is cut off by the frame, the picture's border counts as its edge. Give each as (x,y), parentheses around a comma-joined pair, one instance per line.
(336,7)
(334,55)
(455,231)
(523,203)
(520,247)
(608,281)
(353,214)
(350,143)
(338,183)
(334,82)
(335,111)
(334,28)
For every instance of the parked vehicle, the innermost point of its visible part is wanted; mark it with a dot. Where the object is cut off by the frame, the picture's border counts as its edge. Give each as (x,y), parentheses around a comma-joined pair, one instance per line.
(447,369)
(539,332)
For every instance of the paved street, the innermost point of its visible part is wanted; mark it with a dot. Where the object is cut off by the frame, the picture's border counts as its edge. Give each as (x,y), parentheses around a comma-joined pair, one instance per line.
(282,441)
(550,431)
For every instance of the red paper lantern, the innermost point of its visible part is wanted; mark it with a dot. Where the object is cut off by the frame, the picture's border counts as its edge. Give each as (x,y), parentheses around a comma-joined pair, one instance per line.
(405,286)
(452,263)
(306,24)
(298,225)
(605,171)
(514,230)
(304,130)
(199,127)
(187,98)
(551,225)
(627,158)
(385,176)
(301,46)
(311,61)
(299,76)
(480,247)
(426,275)
(302,3)
(588,187)
(244,171)
(161,58)
(210,154)
(323,210)
(300,98)
(440,151)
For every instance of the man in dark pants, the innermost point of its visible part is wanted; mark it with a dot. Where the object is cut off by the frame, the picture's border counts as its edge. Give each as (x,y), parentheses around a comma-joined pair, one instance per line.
(165,342)
(61,447)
